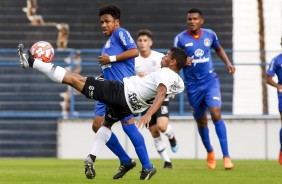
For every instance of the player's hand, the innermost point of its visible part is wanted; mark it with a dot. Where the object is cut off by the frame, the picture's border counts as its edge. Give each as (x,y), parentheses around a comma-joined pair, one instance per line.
(104,59)
(189,60)
(279,88)
(231,69)
(144,121)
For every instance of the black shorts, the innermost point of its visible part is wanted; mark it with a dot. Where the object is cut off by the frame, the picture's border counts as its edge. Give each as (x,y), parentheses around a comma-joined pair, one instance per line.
(162,112)
(110,93)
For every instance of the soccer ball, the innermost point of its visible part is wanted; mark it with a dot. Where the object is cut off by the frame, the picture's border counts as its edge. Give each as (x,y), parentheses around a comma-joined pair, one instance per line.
(43,51)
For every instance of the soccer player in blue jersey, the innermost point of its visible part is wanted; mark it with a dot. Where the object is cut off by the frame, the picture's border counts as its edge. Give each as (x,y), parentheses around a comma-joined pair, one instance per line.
(117,62)
(276,68)
(201,82)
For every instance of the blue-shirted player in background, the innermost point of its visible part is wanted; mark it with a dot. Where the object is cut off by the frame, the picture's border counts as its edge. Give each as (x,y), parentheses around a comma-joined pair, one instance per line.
(276,68)
(202,84)
(117,62)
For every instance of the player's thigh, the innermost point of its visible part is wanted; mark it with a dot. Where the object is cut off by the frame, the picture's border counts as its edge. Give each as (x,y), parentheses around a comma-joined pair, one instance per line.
(213,95)
(197,103)
(154,131)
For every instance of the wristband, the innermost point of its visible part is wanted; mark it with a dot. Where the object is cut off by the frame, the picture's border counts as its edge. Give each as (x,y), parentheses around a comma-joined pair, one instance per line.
(113,58)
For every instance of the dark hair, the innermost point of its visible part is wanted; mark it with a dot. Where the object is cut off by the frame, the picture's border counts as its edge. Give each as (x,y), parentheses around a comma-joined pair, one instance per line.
(144,32)
(180,55)
(195,10)
(111,9)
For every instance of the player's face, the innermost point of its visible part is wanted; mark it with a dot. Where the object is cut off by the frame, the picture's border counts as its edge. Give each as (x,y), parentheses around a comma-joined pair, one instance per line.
(144,43)
(194,21)
(108,24)
(166,60)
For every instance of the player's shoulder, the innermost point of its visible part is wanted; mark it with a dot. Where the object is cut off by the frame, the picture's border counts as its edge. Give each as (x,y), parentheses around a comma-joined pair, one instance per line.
(181,34)
(278,57)
(156,53)
(207,31)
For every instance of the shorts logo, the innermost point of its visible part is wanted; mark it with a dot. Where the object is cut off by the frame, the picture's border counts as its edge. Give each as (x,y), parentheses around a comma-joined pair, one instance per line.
(164,110)
(134,102)
(91,91)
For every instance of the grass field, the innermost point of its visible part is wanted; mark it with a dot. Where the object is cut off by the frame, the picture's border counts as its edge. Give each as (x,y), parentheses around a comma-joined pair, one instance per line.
(47,171)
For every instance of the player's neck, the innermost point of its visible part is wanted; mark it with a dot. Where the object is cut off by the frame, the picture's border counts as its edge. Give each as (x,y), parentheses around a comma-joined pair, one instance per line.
(196,34)
(145,54)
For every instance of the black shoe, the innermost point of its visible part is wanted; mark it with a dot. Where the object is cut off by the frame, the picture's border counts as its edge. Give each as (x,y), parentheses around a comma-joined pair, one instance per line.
(146,174)
(123,169)
(167,165)
(173,144)
(89,168)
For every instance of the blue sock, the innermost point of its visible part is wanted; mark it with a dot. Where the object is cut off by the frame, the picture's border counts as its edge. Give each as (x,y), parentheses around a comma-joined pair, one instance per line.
(138,141)
(204,133)
(281,139)
(221,134)
(114,145)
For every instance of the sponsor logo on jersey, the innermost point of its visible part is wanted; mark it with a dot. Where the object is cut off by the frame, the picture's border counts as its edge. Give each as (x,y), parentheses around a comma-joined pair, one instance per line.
(106,66)
(129,36)
(174,87)
(134,102)
(207,42)
(216,98)
(108,44)
(190,44)
(200,53)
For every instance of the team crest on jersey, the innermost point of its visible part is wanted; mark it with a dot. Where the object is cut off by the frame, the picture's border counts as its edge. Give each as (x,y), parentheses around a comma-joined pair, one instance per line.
(207,42)
(108,44)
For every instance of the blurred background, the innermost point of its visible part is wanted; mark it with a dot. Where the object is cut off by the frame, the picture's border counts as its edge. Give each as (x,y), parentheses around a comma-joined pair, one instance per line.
(32,106)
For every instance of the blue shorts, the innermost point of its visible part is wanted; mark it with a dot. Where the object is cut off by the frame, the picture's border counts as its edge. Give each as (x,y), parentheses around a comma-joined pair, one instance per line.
(280,101)
(203,94)
(100,110)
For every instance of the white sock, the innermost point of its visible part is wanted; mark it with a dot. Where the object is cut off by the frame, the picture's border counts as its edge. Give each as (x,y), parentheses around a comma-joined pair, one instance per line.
(160,146)
(55,73)
(169,132)
(102,137)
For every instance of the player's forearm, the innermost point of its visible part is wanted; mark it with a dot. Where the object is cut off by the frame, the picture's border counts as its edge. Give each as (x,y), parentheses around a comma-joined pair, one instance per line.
(131,53)
(223,56)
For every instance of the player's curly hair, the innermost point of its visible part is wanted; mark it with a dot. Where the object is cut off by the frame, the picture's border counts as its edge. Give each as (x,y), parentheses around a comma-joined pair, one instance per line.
(180,55)
(111,9)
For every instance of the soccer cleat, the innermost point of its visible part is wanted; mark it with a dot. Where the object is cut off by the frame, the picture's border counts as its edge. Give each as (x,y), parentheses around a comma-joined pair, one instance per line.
(227,163)
(146,174)
(168,165)
(23,56)
(173,144)
(280,158)
(89,168)
(211,160)
(123,169)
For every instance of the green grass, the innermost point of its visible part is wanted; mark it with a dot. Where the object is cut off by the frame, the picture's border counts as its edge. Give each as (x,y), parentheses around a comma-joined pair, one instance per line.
(47,171)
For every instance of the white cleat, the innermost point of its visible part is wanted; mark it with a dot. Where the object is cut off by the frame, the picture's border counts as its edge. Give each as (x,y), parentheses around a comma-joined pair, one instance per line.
(23,56)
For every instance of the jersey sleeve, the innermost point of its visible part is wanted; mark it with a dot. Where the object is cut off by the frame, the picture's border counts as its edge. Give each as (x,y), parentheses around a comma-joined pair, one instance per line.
(215,43)
(125,39)
(176,42)
(272,68)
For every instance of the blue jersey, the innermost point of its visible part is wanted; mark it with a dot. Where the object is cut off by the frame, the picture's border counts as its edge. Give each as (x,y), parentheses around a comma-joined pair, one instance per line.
(119,42)
(275,67)
(199,49)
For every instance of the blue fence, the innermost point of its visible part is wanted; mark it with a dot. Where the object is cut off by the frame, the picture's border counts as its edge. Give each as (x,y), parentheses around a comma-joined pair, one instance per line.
(28,93)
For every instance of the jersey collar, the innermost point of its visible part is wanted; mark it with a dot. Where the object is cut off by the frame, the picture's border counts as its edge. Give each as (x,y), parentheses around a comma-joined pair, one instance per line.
(196,38)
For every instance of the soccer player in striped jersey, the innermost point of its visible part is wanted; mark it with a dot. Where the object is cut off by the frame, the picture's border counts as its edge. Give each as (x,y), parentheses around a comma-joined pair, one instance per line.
(202,84)
(276,68)
(150,61)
